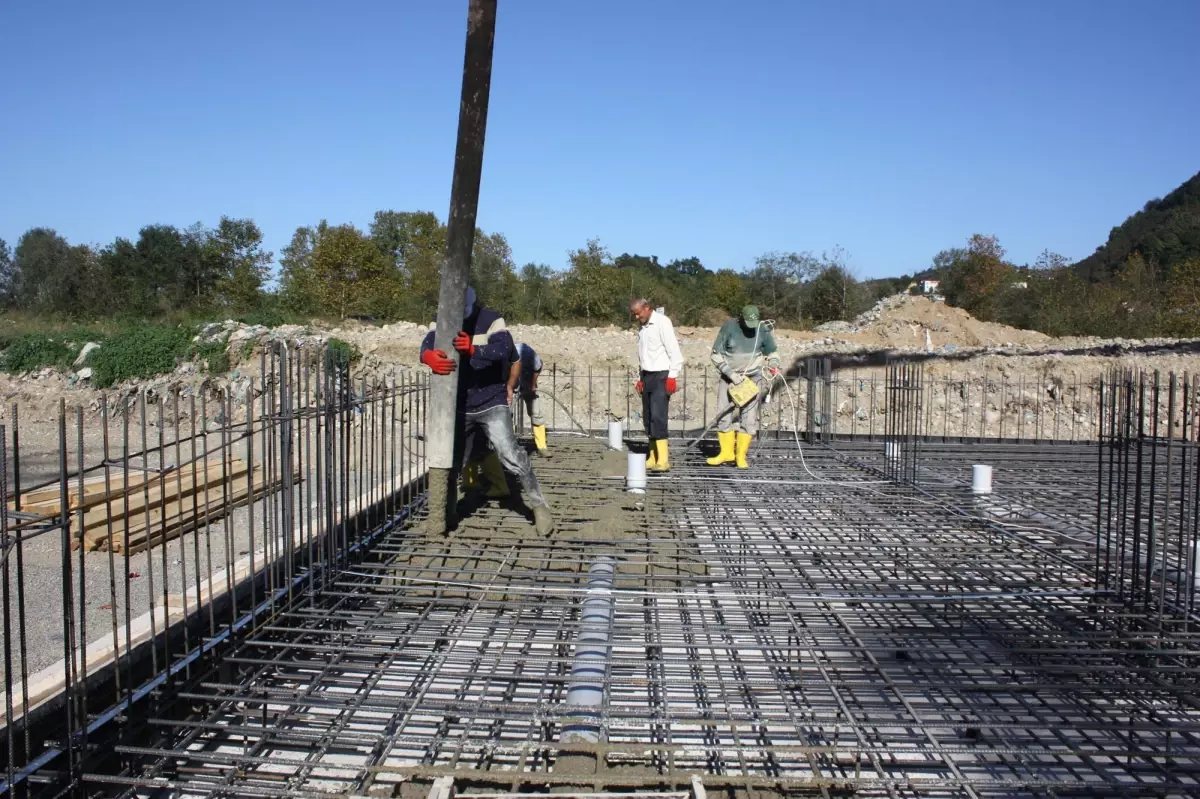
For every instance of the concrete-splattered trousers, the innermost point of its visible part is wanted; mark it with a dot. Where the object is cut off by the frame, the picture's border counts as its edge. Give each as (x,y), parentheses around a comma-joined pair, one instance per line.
(496,425)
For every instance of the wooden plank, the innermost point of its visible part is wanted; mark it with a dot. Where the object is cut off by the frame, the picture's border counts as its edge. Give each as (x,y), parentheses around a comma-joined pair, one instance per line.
(169,507)
(49,500)
(169,522)
(153,495)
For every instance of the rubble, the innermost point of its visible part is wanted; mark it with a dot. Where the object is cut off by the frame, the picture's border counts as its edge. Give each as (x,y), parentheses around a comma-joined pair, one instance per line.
(957,345)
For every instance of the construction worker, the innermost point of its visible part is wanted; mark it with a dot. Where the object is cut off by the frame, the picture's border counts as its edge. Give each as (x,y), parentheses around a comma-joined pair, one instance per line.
(481,470)
(659,360)
(744,350)
(486,353)
(524,380)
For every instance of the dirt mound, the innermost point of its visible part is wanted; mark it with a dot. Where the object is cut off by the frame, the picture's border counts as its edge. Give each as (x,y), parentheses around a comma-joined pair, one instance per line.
(902,321)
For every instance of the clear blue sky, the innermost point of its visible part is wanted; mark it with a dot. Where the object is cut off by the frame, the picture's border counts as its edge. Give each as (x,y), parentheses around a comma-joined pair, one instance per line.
(718,129)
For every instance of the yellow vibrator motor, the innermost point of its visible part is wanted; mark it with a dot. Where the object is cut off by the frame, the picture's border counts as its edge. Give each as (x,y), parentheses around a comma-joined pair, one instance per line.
(744,392)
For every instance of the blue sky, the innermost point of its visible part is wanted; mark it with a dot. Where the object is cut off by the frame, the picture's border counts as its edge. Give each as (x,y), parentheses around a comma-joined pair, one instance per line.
(716,129)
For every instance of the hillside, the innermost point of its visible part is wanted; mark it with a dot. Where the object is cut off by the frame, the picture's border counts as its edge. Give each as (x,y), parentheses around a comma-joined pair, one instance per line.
(1165,232)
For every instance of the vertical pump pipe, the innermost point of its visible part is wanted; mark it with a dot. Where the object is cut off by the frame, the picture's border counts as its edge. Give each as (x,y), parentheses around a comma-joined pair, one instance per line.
(616,435)
(981,479)
(635,472)
(590,666)
(460,238)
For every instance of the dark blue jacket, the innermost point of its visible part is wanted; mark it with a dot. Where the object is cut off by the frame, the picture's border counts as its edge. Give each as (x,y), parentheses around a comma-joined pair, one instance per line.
(483,379)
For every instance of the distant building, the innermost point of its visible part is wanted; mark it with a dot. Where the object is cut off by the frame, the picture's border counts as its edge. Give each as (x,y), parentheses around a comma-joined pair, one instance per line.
(929,286)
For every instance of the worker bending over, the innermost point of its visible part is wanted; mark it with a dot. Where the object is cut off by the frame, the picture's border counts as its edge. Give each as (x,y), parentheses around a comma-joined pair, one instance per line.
(659,360)
(486,353)
(744,350)
(524,380)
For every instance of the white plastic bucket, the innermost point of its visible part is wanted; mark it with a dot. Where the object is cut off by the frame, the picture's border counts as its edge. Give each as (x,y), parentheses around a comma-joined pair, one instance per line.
(635,475)
(891,451)
(981,479)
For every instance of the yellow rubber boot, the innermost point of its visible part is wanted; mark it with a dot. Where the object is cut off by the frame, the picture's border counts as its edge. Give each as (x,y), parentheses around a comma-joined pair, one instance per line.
(652,456)
(662,461)
(539,440)
(493,473)
(726,453)
(742,447)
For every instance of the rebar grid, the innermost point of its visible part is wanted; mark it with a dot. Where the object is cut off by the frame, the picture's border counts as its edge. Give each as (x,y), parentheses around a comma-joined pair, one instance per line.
(772,631)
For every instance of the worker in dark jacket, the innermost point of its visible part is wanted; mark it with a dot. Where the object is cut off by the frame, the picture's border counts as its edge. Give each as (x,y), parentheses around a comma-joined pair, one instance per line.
(486,353)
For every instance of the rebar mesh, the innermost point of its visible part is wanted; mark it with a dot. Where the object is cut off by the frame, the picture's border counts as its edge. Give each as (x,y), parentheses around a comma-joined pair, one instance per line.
(771,630)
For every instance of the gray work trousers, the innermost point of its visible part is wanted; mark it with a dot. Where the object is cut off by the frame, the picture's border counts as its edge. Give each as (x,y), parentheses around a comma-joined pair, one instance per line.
(497,426)
(741,420)
(533,407)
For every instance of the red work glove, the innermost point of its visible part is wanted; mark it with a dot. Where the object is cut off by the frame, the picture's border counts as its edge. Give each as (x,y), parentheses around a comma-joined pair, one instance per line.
(672,386)
(438,361)
(462,343)
(638,386)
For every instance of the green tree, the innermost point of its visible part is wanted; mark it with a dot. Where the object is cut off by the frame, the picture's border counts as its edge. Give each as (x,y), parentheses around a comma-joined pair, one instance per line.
(7,277)
(1183,295)
(535,298)
(51,276)
(834,293)
(297,279)
(727,291)
(492,270)
(1048,261)
(198,270)
(352,275)
(976,278)
(244,265)
(415,245)
(777,280)
(592,286)
(157,274)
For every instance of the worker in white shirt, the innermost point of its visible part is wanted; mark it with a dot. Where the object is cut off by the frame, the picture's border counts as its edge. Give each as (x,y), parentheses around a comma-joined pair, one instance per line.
(660,360)
(523,379)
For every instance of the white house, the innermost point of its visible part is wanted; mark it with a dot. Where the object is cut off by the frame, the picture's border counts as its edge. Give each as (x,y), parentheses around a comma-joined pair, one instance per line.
(929,286)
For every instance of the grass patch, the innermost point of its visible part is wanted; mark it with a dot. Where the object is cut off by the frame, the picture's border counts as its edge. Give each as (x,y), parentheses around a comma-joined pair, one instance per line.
(139,352)
(28,352)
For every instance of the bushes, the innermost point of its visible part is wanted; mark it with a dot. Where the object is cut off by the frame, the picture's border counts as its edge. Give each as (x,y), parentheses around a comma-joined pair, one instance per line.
(342,353)
(31,351)
(135,351)
(139,352)
(213,354)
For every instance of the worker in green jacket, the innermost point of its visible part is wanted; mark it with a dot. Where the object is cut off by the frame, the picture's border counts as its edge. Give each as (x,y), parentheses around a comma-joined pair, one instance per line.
(744,350)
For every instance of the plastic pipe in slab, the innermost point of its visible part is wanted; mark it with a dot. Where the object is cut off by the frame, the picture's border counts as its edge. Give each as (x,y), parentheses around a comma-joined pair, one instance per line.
(981,479)
(635,474)
(616,436)
(590,665)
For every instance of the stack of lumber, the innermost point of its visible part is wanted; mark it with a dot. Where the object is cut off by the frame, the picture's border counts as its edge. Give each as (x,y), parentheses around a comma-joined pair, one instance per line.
(151,508)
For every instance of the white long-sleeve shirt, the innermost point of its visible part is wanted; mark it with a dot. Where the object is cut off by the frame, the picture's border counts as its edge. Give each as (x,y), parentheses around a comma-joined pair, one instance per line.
(658,349)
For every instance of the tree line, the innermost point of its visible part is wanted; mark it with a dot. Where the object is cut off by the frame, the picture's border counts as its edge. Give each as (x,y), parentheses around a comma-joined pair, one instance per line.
(390,271)
(165,270)
(1143,297)
(1143,281)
